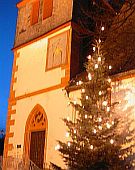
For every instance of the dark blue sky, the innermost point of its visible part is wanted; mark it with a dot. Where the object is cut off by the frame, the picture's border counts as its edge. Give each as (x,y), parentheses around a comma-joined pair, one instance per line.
(8,15)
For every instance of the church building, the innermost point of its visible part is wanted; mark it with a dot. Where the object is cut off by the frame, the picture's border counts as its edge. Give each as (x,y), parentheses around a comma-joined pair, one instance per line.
(49,50)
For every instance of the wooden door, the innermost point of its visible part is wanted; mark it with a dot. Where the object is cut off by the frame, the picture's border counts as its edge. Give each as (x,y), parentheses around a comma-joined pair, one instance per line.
(37,148)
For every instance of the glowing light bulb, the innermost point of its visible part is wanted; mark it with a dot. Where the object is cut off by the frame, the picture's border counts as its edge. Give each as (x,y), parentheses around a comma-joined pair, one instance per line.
(102,28)
(100,127)
(112,122)
(91,146)
(95,131)
(87,97)
(99,59)
(109,80)
(83,90)
(69,144)
(77,83)
(90,116)
(99,41)
(89,57)
(89,76)
(120,156)
(74,131)
(75,102)
(108,109)
(108,125)
(57,147)
(100,119)
(68,103)
(96,66)
(100,93)
(105,103)
(68,118)
(111,141)
(110,67)
(67,134)
(80,82)
(86,116)
(94,48)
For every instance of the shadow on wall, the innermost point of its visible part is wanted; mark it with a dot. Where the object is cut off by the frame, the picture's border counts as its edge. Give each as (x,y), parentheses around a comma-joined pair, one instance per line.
(124,94)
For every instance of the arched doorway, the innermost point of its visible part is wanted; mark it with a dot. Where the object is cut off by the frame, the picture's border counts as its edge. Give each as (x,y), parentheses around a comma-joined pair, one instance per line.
(35,136)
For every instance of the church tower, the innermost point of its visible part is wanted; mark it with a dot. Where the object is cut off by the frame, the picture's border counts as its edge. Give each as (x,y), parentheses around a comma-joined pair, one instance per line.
(41,70)
(48,53)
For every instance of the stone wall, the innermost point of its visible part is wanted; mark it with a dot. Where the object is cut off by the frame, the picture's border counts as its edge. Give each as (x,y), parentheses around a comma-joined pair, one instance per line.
(62,13)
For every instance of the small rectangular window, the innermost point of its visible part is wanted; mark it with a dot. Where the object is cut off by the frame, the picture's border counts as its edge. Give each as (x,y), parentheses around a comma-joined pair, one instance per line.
(47,8)
(35,12)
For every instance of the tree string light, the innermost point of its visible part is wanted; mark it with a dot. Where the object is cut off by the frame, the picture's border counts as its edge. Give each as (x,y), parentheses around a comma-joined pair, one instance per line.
(99,59)
(94,49)
(69,144)
(83,90)
(91,147)
(80,82)
(100,93)
(112,122)
(86,116)
(108,125)
(57,147)
(104,103)
(87,97)
(95,131)
(75,131)
(108,109)
(67,134)
(109,80)
(89,57)
(75,102)
(100,119)
(110,67)
(96,66)
(89,76)
(100,127)
(68,118)
(111,141)
(102,28)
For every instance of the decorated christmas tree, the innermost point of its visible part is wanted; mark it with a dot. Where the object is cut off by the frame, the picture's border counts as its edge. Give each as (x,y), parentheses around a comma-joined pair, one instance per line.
(96,139)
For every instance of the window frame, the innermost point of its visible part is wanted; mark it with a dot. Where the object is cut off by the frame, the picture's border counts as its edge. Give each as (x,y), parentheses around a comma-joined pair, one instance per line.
(66,52)
(35,15)
(49,14)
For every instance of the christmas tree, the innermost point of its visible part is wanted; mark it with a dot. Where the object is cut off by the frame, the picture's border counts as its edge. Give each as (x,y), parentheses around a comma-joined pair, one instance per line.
(94,139)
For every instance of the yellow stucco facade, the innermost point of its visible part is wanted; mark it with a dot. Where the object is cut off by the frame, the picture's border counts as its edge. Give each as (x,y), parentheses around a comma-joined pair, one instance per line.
(33,85)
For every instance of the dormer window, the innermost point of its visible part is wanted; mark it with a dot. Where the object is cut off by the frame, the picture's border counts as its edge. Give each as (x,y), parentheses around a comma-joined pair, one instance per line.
(35,12)
(47,8)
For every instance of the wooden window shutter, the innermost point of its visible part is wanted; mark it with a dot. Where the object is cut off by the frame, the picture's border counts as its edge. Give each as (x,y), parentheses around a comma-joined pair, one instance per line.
(48,7)
(35,12)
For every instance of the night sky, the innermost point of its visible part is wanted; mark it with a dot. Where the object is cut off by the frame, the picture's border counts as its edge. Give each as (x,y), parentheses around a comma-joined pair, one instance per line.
(8,15)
